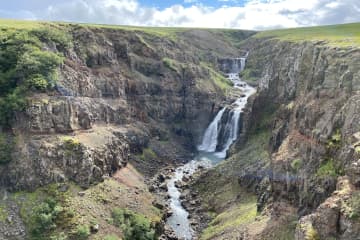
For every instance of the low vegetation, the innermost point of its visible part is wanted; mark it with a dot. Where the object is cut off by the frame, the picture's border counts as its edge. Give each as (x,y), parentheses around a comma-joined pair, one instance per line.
(25,65)
(148,154)
(44,218)
(296,164)
(344,35)
(71,143)
(334,142)
(310,232)
(134,226)
(352,207)
(111,237)
(47,214)
(233,218)
(82,232)
(173,65)
(327,168)
(217,78)
(250,75)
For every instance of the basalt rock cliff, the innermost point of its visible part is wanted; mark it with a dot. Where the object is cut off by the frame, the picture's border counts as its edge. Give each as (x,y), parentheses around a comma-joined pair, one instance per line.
(300,151)
(117,90)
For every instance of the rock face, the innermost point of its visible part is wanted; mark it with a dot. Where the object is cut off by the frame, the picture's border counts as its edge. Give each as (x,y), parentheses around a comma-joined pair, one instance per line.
(307,110)
(117,91)
(315,91)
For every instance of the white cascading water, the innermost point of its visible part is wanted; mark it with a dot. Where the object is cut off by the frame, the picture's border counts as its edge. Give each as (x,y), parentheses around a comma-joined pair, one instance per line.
(208,154)
(210,138)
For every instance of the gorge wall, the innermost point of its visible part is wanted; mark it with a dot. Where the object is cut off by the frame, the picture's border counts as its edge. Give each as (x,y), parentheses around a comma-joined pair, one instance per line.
(300,152)
(118,91)
(145,97)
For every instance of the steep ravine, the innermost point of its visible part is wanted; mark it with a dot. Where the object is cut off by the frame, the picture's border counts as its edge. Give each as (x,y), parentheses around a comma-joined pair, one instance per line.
(299,156)
(221,133)
(131,104)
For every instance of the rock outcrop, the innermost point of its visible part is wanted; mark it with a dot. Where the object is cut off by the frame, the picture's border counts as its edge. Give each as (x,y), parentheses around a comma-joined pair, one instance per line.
(118,92)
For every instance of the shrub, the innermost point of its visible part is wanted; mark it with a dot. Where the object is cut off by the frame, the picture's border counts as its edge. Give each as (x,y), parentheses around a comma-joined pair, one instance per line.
(357,149)
(44,218)
(335,140)
(296,164)
(311,233)
(171,64)
(133,225)
(37,82)
(148,153)
(355,206)
(327,169)
(82,232)
(71,143)
(24,67)
(50,33)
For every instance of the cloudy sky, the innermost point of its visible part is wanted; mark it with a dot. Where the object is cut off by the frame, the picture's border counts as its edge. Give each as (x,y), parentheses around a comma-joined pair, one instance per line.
(243,14)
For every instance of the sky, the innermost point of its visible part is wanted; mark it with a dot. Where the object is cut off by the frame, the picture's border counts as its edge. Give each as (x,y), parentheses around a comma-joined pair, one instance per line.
(240,14)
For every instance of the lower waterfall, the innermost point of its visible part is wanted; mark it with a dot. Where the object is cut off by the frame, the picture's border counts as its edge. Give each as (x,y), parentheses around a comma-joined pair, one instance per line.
(216,141)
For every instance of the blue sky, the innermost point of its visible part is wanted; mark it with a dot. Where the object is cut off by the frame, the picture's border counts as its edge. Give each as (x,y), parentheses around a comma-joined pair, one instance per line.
(240,14)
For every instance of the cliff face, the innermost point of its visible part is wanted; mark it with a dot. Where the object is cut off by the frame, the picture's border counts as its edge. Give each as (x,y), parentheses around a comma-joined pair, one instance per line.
(118,91)
(315,129)
(301,153)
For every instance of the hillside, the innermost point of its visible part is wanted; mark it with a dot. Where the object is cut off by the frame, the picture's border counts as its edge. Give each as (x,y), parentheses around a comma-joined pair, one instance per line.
(94,120)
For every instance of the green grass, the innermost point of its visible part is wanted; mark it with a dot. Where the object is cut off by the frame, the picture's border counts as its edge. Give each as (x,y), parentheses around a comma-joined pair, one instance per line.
(344,35)
(296,164)
(173,65)
(19,24)
(327,169)
(357,149)
(3,213)
(243,214)
(218,79)
(46,213)
(148,154)
(111,237)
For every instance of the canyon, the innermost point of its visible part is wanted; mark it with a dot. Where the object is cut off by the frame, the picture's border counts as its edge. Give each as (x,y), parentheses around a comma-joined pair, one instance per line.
(141,115)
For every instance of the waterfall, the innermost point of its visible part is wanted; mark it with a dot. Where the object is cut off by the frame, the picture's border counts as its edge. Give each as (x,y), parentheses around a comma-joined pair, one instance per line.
(210,139)
(232,129)
(219,137)
(216,141)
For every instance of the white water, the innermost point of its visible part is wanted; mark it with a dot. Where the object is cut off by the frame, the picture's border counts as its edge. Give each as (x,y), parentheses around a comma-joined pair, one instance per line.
(210,138)
(207,155)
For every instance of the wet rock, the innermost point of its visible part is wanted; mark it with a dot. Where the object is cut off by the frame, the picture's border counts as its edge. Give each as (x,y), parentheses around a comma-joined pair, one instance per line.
(162,178)
(163,186)
(158,205)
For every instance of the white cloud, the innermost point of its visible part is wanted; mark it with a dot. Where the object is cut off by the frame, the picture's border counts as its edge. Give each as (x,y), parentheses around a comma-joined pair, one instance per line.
(255,14)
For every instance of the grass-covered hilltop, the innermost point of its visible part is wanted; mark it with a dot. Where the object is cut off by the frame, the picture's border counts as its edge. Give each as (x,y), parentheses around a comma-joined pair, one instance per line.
(95,118)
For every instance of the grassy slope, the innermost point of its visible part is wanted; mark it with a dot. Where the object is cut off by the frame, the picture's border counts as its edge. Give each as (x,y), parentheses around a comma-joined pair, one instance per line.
(170,32)
(344,35)
(94,207)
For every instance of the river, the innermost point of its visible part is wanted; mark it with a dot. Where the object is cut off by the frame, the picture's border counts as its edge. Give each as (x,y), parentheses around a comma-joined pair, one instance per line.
(216,141)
